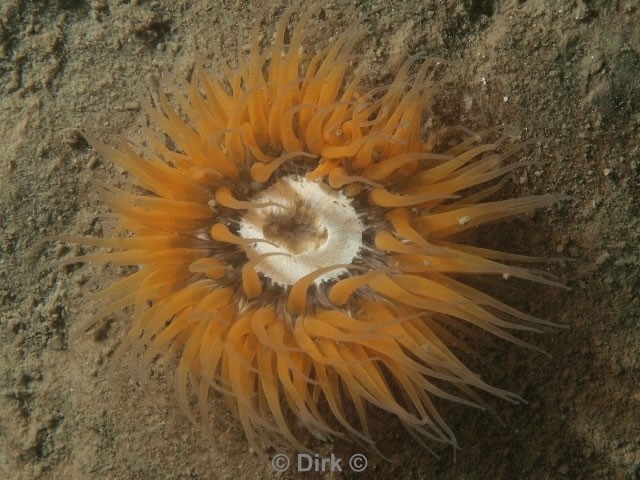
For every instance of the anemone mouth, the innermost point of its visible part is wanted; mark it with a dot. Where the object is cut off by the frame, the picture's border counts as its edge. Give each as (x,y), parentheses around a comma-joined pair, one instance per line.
(305,226)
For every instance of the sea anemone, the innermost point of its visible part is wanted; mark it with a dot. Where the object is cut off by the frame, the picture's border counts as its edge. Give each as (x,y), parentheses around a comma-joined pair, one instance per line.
(294,239)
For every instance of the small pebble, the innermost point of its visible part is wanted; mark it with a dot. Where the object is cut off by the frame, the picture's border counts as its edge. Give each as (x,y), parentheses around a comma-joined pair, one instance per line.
(604,256)
(93,161)
(72,137)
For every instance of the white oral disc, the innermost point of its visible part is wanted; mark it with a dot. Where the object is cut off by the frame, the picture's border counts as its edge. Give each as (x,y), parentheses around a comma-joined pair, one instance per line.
(314,225)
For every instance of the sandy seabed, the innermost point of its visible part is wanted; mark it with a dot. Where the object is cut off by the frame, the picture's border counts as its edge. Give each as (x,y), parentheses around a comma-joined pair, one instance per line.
(567,72)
